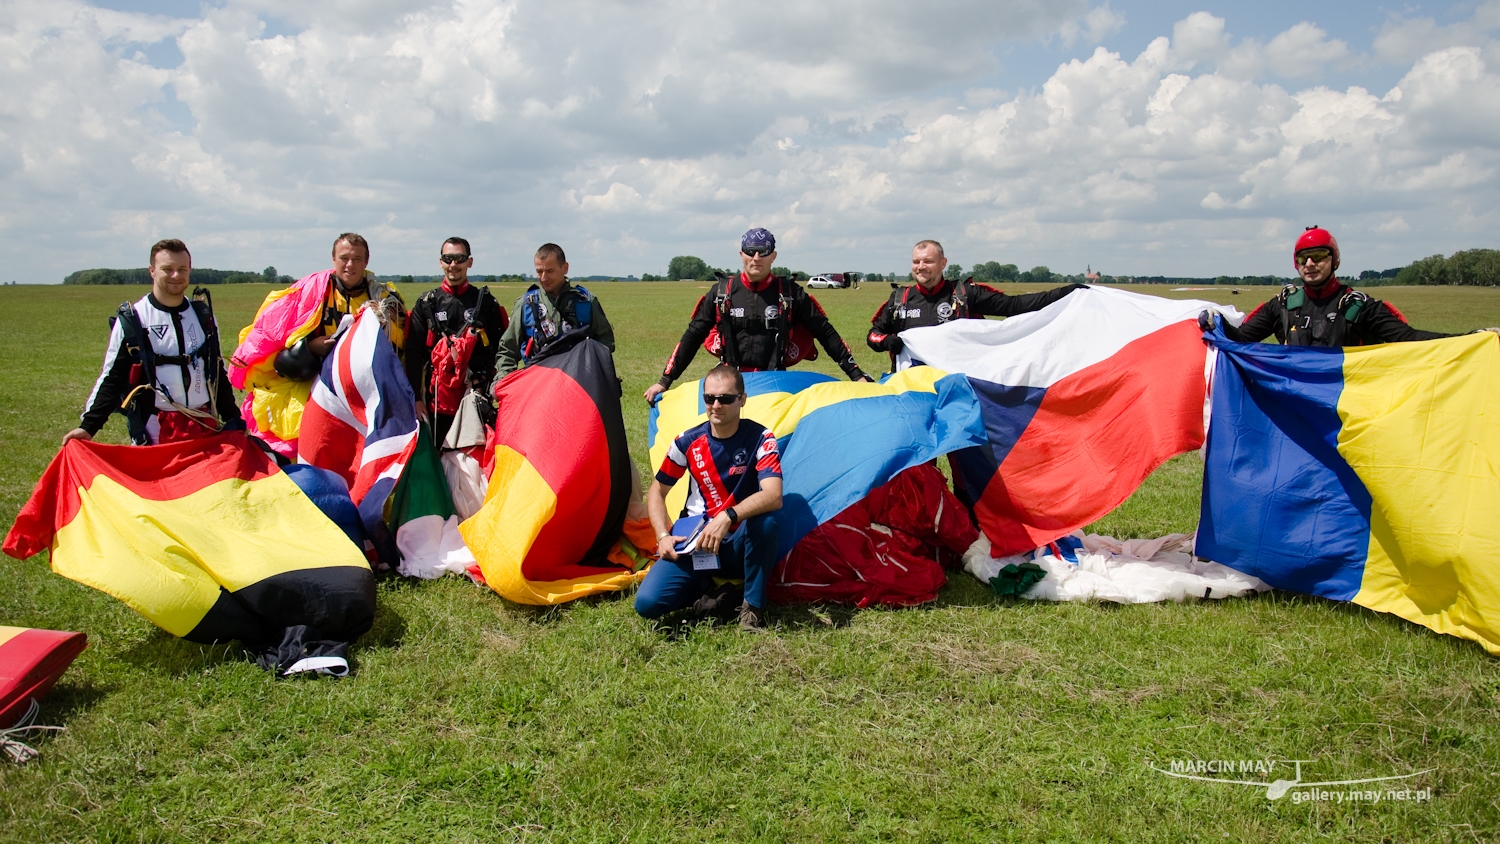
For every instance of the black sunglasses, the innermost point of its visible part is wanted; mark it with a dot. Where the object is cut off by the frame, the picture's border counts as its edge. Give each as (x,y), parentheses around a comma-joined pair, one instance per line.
(758,251)
(454,259)
(726,399)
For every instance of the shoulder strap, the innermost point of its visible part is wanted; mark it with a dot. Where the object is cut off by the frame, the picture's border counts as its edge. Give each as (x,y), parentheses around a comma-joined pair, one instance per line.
(960,298)
(1353,302)
(139,403)
(583,307)
(1292,299)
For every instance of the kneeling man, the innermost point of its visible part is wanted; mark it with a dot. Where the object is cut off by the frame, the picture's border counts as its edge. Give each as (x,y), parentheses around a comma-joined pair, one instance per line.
(734,472)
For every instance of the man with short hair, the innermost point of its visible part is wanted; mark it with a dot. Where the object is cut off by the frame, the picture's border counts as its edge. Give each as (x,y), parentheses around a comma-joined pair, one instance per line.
(734,477)
(1321,311)
(351,286)
(549,309)
(451,339)
(162,368)
(934,299)
(757,322)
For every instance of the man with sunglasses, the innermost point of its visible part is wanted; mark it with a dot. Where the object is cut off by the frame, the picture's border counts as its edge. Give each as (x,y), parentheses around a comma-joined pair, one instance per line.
(454,331)
(934,300)
(1321,311)
(734,477)
(756,322)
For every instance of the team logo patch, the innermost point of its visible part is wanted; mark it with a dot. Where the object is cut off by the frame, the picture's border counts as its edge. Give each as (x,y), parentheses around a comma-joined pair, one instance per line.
(741,461)
(737,312)
(944,311)
(772,312)
(469,315)
(160,331)
(442,316)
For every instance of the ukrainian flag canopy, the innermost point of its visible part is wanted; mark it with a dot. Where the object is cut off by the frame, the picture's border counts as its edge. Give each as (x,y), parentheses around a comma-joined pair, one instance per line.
(1368,474)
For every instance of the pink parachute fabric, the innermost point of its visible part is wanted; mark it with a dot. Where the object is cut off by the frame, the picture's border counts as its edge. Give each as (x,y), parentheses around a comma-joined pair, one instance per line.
(285,317)
(887,549)
(280,323)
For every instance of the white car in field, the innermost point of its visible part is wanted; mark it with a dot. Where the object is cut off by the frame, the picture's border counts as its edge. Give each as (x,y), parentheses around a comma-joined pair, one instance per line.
(823,281)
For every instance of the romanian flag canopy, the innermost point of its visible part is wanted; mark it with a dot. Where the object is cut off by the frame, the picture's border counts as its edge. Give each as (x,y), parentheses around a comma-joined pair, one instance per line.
(207,539)
(1081,401)
(556,502)
(1366,474)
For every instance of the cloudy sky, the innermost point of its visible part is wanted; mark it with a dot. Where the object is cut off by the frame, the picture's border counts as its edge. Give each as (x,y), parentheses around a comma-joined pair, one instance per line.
(1167,137)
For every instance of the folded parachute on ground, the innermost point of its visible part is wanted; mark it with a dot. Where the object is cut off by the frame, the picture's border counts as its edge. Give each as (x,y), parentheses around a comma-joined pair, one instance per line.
(31,661)
(207,539)
(1366,474)
(1081,400)
(551,525)
(839,440)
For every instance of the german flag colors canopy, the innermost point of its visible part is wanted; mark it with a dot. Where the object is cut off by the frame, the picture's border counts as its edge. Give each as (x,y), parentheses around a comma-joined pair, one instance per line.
(207,539)
(1369,475)
(556,501)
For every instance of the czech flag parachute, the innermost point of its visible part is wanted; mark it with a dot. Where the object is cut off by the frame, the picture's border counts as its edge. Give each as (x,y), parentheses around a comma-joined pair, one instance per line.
(556,504)
(1081,401)
(207,539)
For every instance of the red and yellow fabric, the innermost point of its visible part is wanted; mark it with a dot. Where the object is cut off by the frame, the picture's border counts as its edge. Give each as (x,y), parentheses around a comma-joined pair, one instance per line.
(31,660)
(555,508)
(206,539)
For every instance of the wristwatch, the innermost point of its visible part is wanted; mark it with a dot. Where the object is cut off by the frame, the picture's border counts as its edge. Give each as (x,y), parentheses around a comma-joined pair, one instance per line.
(734,518)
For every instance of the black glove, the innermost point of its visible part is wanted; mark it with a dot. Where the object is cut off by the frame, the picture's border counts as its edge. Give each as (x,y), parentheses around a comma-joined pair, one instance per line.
(894,344)
(1206,320)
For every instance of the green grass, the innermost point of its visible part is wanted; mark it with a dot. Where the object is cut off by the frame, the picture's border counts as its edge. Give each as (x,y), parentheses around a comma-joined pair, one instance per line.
(975,719)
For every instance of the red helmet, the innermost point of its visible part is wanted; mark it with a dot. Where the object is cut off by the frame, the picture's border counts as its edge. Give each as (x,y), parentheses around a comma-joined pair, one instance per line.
(1315,237)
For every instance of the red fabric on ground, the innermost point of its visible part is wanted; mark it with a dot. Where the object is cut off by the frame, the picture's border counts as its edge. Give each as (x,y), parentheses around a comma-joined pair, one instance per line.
(887,549)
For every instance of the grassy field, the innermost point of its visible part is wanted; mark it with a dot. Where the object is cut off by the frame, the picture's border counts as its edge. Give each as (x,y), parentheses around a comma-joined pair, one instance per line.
(975,719)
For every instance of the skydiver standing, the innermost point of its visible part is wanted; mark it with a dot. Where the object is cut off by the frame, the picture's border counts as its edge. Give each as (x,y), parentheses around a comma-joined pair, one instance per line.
(935,299)
(162,369)
(756,322)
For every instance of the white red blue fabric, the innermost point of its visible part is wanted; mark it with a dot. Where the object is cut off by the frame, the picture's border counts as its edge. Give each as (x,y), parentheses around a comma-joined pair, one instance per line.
(361,420)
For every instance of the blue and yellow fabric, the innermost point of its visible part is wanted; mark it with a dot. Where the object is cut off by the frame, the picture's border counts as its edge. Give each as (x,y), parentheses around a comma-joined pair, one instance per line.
(1366,474)
(838,439)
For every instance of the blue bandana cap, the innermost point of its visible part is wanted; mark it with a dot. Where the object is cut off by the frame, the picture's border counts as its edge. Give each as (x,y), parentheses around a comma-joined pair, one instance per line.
(758,239)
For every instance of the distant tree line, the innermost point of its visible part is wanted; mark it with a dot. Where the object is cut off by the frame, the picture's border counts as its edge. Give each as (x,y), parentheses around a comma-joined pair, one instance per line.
(202,275)
(1470,267)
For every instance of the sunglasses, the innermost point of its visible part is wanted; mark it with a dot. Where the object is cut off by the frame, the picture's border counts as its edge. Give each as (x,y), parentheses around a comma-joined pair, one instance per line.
(454,259)
(1317,256)
(726,399)
(758,251)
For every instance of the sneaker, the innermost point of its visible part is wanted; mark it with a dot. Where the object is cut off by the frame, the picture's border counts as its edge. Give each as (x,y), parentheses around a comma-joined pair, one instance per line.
(720,603)
(752,619)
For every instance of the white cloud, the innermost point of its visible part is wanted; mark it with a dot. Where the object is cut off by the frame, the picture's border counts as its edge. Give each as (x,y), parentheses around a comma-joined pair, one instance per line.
(636,132)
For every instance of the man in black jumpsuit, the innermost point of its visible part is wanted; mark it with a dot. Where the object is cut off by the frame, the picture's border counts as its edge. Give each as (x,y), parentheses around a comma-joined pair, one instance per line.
(757,322)
(934,300)
(1321,311)
(471,322)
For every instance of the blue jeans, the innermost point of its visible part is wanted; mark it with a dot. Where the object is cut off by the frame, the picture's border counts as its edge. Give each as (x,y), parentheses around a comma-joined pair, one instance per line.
(748,552)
